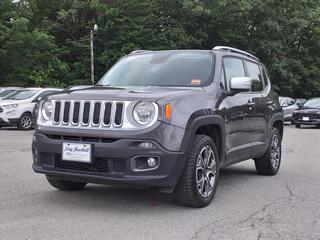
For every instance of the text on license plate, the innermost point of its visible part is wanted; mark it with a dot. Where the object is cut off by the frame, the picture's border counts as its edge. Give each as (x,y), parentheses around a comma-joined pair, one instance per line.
(77,152)
(305,118)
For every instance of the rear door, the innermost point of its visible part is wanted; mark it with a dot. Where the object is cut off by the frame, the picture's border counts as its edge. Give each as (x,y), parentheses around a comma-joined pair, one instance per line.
(259,96)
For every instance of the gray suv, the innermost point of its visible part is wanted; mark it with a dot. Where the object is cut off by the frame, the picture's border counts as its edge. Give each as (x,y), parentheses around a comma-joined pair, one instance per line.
(165,119)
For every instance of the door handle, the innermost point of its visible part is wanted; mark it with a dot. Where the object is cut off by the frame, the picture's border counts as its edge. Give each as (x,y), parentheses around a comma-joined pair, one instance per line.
(270,102)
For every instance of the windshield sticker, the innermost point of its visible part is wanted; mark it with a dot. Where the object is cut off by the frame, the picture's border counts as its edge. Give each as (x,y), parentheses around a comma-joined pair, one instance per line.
(195,82)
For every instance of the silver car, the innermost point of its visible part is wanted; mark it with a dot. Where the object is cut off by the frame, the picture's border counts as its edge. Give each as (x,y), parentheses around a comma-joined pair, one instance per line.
(288,105)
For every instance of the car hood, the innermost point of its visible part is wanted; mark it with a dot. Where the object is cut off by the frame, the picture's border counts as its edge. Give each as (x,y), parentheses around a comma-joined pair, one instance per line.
(124,94)
(6,102)
(308,110)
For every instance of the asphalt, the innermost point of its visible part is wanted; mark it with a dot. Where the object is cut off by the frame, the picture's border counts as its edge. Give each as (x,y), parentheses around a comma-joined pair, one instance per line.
(246,206)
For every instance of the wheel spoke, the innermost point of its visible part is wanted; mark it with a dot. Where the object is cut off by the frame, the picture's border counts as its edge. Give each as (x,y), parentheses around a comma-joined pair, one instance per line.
(206,171)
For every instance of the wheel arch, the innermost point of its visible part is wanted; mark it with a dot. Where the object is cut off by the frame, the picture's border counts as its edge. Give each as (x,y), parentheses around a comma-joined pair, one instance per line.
(277,121)
(208,123)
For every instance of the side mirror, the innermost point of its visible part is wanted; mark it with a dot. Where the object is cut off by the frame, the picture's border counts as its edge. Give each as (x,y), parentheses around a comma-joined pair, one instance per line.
(36,99)
(299,104)
(240,84)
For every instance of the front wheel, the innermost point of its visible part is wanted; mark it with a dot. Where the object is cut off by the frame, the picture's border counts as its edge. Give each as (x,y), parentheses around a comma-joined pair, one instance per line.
(198,183)
(65,185)
(25,122)
(269,163)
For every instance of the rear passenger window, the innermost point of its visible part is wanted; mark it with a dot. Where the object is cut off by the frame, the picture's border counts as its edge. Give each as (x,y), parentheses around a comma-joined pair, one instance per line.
(254,73)
(233,67)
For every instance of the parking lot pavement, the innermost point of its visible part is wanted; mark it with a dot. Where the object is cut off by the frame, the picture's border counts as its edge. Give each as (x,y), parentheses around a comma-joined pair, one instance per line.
(247,206)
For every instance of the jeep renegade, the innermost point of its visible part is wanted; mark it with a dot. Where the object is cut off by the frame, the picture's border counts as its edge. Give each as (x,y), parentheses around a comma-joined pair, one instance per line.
(165,119)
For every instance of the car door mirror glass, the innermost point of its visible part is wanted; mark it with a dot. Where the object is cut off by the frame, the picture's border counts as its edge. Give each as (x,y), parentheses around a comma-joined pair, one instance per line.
(241,84)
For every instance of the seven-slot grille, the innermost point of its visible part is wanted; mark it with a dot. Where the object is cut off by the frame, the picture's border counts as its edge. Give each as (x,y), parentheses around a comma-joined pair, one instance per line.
(88,113)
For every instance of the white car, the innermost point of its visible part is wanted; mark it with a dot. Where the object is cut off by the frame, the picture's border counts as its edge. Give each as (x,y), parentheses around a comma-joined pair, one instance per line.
(16,109)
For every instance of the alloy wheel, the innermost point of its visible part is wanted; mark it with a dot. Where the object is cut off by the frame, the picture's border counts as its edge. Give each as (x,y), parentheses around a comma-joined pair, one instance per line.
(275,152)
(26,122)
(206,171)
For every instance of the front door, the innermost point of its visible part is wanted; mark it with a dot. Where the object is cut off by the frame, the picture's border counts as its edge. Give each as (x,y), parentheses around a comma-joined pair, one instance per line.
(239,113)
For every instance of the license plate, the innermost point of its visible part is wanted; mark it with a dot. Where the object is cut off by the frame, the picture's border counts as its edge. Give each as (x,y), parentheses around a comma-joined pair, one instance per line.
(305,118)
(76,152)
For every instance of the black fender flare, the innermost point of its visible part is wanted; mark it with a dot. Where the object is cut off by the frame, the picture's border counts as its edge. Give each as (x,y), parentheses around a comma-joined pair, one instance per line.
(197,120)
(278,116)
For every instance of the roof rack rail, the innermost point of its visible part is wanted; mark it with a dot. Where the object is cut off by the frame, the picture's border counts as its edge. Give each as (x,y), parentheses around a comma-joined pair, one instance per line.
(140,51)
(235,50)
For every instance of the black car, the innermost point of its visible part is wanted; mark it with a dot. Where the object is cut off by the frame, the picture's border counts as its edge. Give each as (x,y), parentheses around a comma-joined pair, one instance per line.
(165,119)
(308,114)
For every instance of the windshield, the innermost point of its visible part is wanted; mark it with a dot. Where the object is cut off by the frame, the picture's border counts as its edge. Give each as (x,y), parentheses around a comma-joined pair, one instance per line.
(6,92)
(161,69)
(312,103)
(22,95)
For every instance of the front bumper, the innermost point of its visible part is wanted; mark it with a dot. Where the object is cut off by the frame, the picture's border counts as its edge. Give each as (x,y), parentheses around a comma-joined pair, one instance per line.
(9,121)
(310,122)
(313,119)
(111,162)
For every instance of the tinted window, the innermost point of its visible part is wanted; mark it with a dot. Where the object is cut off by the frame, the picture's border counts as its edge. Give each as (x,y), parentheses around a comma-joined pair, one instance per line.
(254,73)
(22,94)
(233,68)
(161,69)
(6,92)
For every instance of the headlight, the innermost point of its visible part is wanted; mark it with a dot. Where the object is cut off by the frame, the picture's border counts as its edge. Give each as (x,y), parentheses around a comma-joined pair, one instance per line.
(46,110)
(10,106)
(144,113)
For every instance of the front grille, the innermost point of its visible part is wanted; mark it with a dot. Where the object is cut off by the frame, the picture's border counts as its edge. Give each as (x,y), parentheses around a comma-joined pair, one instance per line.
(100,165)
(310,115)
(88,113)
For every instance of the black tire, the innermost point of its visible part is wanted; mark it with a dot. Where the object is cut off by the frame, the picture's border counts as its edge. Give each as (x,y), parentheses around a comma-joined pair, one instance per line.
(298,125)
(65,185)
(266,165)
(186,191)
(25,122)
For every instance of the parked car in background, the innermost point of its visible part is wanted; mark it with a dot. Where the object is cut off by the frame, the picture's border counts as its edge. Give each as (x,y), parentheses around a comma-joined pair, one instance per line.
(288,105)
(16,109)
(35,111)
(308,114)
(4,92)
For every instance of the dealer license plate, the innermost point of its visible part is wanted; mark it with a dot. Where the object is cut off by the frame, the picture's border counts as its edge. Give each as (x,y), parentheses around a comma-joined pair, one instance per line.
(305,118)
(76,152)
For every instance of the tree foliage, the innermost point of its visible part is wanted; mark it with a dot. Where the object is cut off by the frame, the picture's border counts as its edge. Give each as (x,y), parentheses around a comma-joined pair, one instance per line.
(46,43)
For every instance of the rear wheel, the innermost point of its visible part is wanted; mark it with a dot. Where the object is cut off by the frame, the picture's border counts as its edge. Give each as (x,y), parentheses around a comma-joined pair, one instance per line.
(199,180)
(65,185)
(25,122)
(269,163)
(298,125)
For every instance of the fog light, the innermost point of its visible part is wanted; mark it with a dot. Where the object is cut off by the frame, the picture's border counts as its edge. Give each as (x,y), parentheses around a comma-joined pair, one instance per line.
(146,145)
(151,162)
